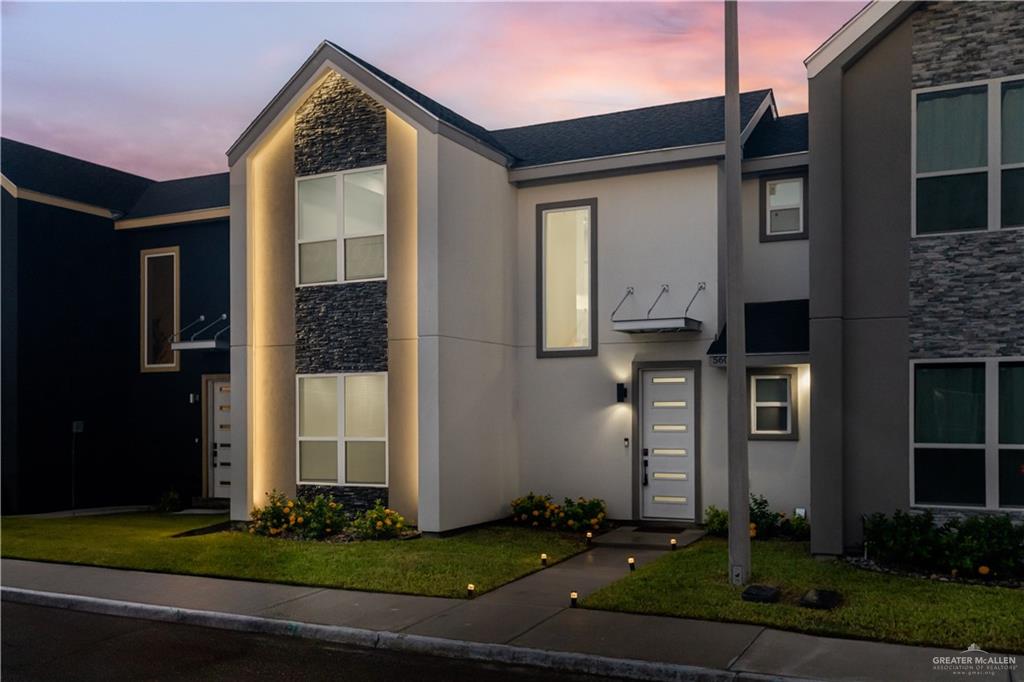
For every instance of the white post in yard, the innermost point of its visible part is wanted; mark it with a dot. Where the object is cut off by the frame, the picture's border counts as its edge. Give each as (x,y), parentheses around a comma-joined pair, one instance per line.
(736,359)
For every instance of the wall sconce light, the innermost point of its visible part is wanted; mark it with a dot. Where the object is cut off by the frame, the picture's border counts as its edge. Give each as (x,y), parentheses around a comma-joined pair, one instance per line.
(620,392)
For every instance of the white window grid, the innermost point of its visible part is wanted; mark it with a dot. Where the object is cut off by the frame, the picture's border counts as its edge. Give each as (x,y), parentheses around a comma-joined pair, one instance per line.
(340,438)
(755,403)
(991,446)
(994,151)
(340,236)
(799,204)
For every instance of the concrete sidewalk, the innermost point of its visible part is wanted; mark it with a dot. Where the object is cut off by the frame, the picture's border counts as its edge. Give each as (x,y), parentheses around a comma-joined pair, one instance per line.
(527,621)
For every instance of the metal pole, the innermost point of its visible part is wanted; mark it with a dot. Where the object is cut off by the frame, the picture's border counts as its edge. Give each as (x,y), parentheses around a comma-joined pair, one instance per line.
(739,483)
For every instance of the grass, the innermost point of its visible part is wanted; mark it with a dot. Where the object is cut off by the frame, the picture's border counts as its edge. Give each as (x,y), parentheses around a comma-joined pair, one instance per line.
(441,567)
(693,583)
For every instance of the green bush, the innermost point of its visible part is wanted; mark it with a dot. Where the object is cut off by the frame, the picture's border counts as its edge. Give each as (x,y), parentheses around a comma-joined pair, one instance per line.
(312,519)
(764,523)
(378,523)
(170,501)
(538,511)
(977,547)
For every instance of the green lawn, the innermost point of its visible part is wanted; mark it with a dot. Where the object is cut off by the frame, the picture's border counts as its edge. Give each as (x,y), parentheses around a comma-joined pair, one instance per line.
(692,582)
(487,557)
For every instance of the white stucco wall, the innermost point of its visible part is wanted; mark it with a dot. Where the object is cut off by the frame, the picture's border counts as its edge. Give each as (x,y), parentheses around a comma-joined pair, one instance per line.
(773,271)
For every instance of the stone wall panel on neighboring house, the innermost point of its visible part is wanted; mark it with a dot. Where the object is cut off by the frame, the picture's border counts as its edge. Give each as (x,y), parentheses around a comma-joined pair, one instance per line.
(339,128)
(341,328)
(353,499)
(967,295)
(957,42)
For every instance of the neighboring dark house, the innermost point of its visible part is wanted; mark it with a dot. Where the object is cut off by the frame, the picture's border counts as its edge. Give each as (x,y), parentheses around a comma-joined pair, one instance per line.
(90,416)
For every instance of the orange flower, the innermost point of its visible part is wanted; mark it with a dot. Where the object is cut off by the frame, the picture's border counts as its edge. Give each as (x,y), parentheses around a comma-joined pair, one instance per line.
(983,570)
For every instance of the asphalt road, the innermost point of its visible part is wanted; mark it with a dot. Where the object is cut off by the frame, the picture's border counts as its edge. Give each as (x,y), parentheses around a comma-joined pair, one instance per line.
(55,644)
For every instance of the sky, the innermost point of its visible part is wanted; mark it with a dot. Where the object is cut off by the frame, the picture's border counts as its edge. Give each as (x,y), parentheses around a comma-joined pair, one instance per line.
(163,89)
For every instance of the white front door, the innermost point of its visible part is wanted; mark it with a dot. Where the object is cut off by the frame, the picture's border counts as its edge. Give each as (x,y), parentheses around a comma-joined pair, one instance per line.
(219,401)
(668,417)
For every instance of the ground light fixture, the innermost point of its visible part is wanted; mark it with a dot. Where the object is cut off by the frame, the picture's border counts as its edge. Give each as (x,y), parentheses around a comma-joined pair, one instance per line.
(543,559)
(672,544)
(573,599)
(632,563)
(470,590)
(590,536)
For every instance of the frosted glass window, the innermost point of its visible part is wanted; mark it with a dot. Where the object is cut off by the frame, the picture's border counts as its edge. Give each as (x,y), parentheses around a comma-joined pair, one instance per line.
(668,380)
(364,257)
(365,462)
(566,281)
(670,427)
(952,129)
(785,206)
(364,203)
(669,499)
(318,461)
(669,476)
(669,452)
(318,262)
(669,403)
(318,406)
(318,209)
(364,406)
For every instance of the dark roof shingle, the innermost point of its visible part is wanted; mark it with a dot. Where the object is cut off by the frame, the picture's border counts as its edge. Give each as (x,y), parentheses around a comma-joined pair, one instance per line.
(782,135)
(679,124)
(185,194)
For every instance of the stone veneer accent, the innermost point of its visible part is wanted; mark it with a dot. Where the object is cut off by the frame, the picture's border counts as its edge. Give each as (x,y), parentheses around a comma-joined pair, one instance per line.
(967,295)
(338,128)
(956,42)
(341,328)
(353,499)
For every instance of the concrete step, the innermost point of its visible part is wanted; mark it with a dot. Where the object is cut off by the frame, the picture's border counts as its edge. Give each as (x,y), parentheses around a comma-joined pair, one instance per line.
(635,538)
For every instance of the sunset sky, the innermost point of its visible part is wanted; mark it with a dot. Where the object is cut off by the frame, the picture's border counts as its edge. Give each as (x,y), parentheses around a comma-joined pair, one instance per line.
(163,89)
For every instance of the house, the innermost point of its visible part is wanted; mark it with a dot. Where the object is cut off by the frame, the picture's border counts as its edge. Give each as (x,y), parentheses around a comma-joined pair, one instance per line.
(444,317)
(916,262)
(100,268)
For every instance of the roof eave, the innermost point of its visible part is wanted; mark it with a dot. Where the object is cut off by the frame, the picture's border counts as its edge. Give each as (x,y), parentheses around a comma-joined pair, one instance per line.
(878,15)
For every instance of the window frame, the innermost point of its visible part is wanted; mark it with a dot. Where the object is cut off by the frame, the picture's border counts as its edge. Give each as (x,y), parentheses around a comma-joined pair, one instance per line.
(144,256)
(340,439)
(339,236)
(792,376)
(991,445)
(765,234)
(541,210)
(994,148)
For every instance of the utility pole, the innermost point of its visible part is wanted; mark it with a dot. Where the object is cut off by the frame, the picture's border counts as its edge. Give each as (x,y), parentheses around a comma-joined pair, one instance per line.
(736,351)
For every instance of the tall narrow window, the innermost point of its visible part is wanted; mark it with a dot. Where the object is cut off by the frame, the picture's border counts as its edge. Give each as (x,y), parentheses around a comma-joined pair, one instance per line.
(1012,178)
(341,227)
(566,273)
(1011,434)
(342,429)
(159,308)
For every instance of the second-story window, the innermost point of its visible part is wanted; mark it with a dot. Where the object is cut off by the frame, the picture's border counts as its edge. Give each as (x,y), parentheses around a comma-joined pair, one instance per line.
(784,209)
(969,157)
(341,227)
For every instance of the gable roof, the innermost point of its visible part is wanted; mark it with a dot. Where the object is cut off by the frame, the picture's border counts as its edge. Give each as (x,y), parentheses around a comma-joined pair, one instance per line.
(49,172)
(876,18)
(131,196)
(680,124)
(775,136)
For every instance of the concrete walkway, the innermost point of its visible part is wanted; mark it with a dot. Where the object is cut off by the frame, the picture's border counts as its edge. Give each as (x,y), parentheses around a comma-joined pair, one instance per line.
(528,619)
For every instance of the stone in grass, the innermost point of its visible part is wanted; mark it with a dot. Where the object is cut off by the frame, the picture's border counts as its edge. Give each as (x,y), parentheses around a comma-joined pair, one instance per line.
(821,599)
(762,594)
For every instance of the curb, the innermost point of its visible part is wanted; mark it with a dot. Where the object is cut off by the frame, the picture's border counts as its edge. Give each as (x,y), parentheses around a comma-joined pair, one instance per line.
(390,641)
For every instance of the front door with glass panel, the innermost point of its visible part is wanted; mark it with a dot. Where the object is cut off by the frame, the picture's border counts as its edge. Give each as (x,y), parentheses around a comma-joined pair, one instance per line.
(668,416)
(219,402)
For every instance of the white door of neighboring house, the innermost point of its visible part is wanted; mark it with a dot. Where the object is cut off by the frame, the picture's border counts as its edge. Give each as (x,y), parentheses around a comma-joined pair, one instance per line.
(219,401)
(668,416)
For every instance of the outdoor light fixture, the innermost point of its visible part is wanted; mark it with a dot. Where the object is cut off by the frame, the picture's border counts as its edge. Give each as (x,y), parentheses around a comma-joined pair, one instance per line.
(470,590)
(573,597)
(590,536)
(632,563)
(620,392)
(543,559)
(672,544)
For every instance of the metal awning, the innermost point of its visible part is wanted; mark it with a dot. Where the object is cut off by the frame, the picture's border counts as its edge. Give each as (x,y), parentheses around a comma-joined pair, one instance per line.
(214,342)
(658,325)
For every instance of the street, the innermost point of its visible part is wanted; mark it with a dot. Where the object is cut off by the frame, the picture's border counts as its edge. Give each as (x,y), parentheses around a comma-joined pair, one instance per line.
(54,644)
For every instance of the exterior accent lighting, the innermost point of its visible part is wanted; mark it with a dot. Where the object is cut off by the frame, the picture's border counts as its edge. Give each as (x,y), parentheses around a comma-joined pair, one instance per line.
(632,563)
(470,590)
(573,598)
(590,537)
(621,393)
(543,559)
(672,544)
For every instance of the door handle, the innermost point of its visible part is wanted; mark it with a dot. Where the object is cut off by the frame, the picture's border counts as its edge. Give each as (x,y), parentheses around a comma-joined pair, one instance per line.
(645,465)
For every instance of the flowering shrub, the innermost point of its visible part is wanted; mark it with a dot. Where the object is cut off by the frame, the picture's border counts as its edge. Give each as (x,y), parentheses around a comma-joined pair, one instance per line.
(312,519)
(378,523)
(538,511)
(764,523)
